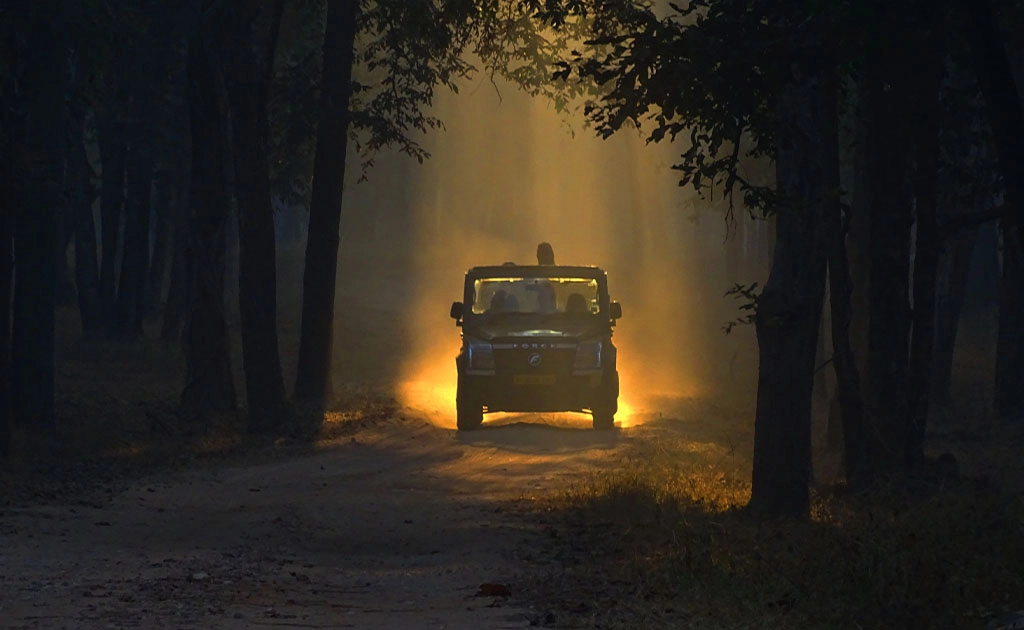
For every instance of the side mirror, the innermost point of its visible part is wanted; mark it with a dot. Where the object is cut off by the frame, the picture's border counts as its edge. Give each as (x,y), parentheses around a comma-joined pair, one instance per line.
(615,310)
(456,312)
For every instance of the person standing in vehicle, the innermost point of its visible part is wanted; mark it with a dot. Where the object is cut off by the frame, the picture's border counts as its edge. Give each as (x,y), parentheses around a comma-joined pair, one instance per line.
(546,292)
(545,254)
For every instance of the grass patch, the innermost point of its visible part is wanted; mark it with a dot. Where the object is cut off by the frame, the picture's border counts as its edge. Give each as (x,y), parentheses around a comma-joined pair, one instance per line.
(662,542)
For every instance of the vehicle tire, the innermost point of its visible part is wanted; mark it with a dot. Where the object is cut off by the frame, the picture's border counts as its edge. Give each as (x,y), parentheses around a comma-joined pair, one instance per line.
(604,410)
(468,409)
(603,421)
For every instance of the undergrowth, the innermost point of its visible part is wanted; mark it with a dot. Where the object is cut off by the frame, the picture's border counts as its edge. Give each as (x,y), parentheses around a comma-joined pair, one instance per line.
(662,542)
(98,446)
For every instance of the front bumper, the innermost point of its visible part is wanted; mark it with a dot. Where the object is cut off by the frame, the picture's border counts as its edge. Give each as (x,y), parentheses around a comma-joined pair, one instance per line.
(535,391)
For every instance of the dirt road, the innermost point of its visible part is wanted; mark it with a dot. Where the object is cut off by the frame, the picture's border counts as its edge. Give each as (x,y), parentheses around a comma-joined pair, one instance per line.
(397,527)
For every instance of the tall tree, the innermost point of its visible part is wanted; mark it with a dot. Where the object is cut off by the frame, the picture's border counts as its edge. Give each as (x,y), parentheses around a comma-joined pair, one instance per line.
(849,412)
(178,284)
(153,47)
(927,239)
(112,141)
(209,383)
(81,193)
(407,50)
(968,192)
(789,308)
(250,49)
(890,217)
(138,201)
(313,381)
(9,152)
(164,200)
(44,83)
(1002,102)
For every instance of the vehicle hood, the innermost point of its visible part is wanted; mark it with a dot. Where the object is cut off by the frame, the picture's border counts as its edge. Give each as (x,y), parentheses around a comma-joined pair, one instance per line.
(515,328)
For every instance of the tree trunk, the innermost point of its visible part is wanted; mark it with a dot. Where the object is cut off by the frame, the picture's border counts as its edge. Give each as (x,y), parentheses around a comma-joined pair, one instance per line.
(10,152)
(81,194)
(142,151)
(178,285)
(257,267)
(999,89)
(850,265)
(1009,393)
(209,386)
(112,165)
(135,261)
(888,282)
(35,230)
(313,381)
(65,220)
(951,296)
(6,282)
(163,232)
(844,358)
(926,256)
(789,309)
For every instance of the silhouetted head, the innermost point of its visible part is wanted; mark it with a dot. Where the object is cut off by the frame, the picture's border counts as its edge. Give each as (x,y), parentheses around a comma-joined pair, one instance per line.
(545,254)
(576,304)
(498,301)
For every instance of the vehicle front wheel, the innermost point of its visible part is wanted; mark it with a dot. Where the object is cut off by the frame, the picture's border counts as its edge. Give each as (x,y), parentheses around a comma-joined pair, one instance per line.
(603,420)
(468,409)
(604,411)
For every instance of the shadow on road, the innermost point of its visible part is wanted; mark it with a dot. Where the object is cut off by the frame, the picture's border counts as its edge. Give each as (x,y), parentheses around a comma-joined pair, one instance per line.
(535,434)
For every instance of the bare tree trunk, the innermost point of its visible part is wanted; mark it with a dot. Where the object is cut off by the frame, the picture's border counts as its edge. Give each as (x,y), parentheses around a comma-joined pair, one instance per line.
(163,233)
(926,255)
(247,87)
(111,139)
(139,176)
(81,194)
(789,309)
(131,294)
(1009,393)
(209,386)
(888,283)
(41,193)
(65,286)
(6,283)
(1002,103)
(10,151)
(313,381)
(951,295)
(844,357)
(849,269)
(178,285)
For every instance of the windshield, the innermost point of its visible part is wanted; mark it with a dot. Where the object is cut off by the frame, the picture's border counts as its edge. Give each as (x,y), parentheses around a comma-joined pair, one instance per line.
(572,296)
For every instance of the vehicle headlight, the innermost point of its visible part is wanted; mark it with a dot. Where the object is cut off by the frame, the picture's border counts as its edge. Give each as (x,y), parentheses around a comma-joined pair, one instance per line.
(588,356)
(481,356)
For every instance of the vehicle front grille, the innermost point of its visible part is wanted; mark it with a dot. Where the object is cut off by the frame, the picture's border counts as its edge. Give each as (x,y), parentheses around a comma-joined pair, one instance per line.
(515,358)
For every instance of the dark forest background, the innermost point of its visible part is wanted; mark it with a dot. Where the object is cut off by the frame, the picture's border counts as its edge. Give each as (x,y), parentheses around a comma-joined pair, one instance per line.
(150,148)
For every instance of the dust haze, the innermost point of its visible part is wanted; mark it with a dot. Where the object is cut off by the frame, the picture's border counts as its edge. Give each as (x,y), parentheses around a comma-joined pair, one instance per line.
(509,172)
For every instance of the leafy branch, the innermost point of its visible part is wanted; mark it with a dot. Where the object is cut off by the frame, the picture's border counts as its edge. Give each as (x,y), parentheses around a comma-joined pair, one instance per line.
(749,293)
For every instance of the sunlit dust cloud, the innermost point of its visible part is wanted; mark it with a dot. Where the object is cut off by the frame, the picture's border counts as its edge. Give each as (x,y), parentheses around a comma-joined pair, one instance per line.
(505,175)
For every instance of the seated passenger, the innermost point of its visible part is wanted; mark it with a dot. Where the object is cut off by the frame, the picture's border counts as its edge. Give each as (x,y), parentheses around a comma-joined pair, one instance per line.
(511,304)
(546,297)
(576,304)
(498,301)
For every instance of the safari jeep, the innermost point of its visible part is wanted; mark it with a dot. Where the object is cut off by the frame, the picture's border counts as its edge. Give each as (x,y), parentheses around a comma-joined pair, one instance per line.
(536,338)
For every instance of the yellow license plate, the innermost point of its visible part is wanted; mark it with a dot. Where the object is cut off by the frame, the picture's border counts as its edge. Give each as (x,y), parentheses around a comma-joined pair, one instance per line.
(533,379)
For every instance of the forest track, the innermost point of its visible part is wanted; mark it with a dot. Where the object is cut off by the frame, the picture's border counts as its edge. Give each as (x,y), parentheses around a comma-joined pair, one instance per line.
(395,527)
